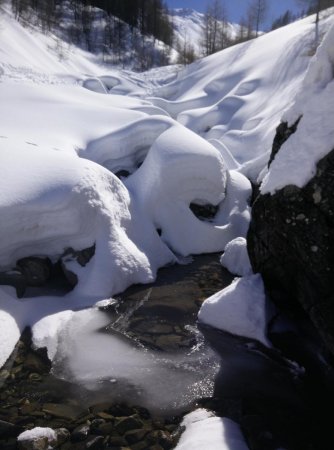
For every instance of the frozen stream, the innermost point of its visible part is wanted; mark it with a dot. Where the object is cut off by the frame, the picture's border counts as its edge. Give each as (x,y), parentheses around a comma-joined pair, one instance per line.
(144,347)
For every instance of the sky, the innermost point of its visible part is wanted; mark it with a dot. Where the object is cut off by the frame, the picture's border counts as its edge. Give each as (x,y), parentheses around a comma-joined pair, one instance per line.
(237,8)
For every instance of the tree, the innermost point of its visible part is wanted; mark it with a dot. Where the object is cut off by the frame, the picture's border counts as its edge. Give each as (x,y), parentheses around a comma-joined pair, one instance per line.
(283,20)
(314,7)
(215,36)
(257,12)
(186,51)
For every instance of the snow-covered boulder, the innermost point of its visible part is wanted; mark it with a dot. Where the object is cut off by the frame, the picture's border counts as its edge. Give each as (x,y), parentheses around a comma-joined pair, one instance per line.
(203,430)
(291,237)
(38,438)
(235,257)
(239,309)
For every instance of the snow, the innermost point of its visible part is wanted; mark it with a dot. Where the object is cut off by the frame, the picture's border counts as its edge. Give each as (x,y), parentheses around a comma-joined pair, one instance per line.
(235,257)
(204,430)
(188,26)
(199,134)
(9,335)
(296,160)
(240,309)
(38,433)
(238,96)
(158,380)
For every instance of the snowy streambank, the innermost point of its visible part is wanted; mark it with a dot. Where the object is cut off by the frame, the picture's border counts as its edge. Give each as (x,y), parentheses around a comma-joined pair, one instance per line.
(53,200)
(205,431)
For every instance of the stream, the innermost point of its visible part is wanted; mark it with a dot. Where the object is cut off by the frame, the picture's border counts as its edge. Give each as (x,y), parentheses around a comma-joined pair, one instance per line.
(142,356)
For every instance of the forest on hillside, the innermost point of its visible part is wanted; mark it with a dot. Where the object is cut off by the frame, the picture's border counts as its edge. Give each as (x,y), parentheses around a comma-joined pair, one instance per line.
(140,33)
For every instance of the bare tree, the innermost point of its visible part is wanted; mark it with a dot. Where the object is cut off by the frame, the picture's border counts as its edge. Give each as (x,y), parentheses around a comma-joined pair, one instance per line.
(315,7)
(257,11)
(215,28)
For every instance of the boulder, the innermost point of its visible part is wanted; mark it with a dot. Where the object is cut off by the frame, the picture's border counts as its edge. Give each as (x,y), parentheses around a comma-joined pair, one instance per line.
(36,270)
(291,243)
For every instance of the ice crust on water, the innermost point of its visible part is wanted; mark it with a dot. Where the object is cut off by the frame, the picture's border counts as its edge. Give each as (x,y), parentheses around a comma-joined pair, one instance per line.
(158,380)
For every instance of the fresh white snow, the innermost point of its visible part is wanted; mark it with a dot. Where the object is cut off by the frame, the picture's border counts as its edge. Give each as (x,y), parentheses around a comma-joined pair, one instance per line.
(47,435)
(206,431)
(241,309)
(235,257)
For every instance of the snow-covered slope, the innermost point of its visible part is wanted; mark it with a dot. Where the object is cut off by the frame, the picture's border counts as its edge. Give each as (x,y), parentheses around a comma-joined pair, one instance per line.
(188,26)
(189,142)
(235,98)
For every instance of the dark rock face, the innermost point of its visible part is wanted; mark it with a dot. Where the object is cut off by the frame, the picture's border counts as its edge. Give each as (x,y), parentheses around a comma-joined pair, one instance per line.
(291,243)
(283,132)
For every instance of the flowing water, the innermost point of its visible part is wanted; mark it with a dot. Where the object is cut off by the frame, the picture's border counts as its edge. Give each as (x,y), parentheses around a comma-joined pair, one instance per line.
(144,346)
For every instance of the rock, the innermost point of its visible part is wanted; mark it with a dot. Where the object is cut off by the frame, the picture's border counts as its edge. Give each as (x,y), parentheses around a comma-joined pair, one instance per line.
(125,424)
(117,441)
(291,243)
(140,446)
(283,132)
(62,411)
(35,364)
(136,435)
(80,433)
(204,212)
(38,438)
(36,270)
(104,428)
(70,256)
(162,438)
(8,429)
(95,443)
(62,435)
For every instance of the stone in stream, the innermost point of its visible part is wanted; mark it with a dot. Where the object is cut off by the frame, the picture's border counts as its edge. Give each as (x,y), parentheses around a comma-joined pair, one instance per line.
(62,411)
(124,424)
(39,438)
(80,433)
(8,429)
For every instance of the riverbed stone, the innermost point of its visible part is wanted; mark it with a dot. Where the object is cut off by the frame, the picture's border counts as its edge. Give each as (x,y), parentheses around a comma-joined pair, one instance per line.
(143,445)
(104,429)
(8,429)
(80,433)
(117,441)
(63,435)
(124,424)
(62,411)
(135,435)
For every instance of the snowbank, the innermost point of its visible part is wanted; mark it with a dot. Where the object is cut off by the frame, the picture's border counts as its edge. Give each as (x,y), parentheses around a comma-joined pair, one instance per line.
(205,431)
(239,309)
(235,257)
(41,437)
